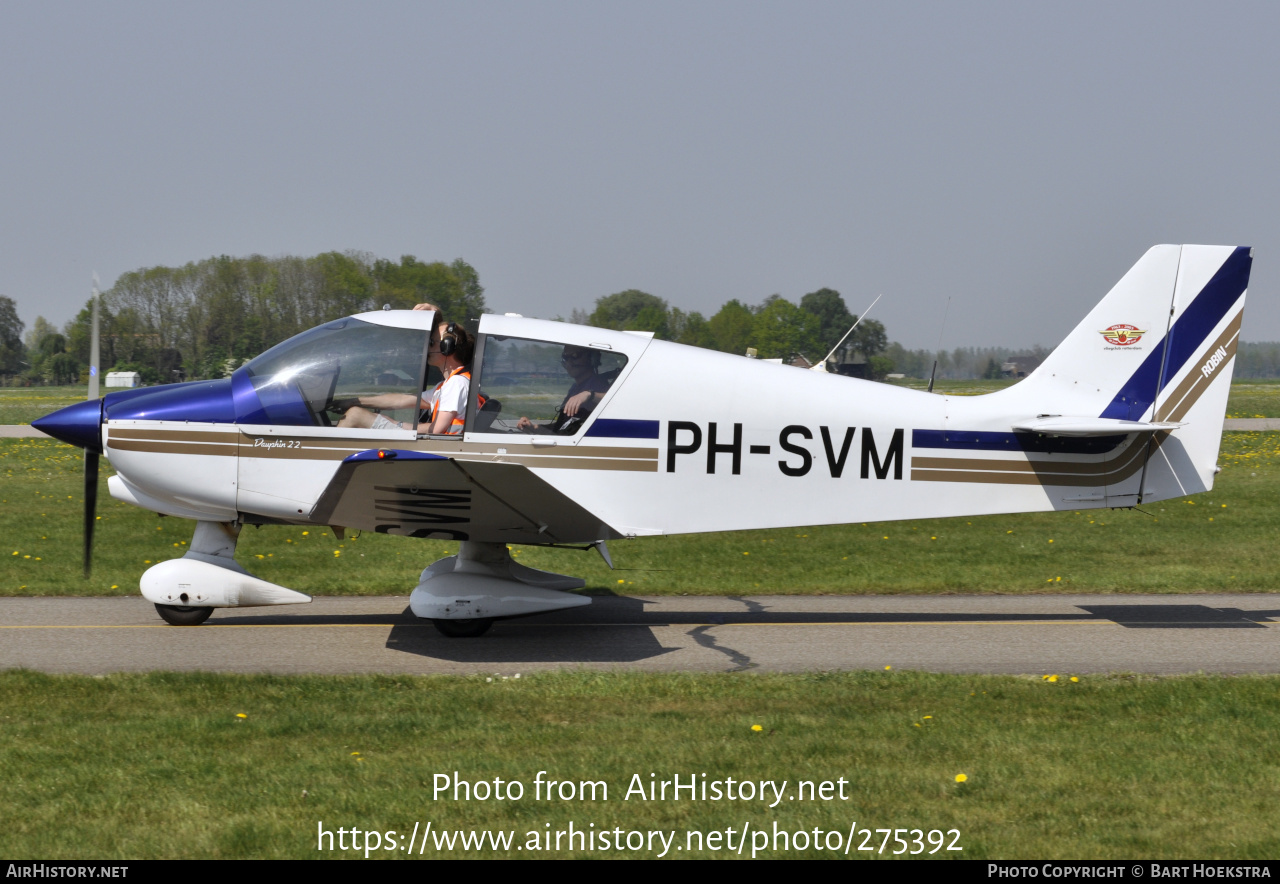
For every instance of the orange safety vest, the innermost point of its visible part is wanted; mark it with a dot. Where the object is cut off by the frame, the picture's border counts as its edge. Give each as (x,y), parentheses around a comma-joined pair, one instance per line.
(458,419)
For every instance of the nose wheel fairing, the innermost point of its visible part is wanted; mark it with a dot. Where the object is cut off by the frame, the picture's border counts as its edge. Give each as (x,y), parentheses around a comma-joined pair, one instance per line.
(208,576)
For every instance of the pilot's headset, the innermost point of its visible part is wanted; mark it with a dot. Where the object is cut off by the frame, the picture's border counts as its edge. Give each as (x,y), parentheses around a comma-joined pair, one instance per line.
(455,340)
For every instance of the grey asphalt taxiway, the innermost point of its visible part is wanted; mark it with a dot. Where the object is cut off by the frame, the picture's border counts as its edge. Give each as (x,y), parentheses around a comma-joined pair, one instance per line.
(1037,634)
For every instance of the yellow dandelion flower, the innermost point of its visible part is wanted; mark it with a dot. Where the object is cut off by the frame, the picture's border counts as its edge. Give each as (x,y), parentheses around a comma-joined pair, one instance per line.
(961,778)
(1073,678)
(241,715)
(927,717)
(887,668)
(1052,679)
(917,724)
(305,533)
(113,586)
(757,728)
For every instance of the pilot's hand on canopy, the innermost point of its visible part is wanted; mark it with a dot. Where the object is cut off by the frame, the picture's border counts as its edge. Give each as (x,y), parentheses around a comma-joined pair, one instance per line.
(573,403)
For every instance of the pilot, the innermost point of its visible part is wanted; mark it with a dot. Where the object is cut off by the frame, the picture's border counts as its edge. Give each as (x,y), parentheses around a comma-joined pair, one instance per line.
(583,365)
(443,410)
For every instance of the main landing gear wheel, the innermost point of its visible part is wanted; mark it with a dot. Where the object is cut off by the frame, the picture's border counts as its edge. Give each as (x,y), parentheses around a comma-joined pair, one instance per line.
(463,628)
(179,615)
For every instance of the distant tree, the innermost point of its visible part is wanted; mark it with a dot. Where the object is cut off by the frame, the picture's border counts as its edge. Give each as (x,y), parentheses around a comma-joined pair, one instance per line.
(782,330)
(731,327)
(690,328)
(61,368)
(880,366)
(834,318)
(869,339)
(632,310)
(11,349)
(992,371)
(912,363)
(455,288)
(472,305)
(39,328)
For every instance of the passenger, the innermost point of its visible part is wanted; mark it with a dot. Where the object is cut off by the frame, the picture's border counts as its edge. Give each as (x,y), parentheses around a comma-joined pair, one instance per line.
(443,410)
(583,365)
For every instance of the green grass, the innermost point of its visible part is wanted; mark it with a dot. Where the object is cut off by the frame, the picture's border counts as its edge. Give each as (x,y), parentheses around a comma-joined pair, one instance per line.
(1254,398)
(164,768)
(1211,542)
(22,405)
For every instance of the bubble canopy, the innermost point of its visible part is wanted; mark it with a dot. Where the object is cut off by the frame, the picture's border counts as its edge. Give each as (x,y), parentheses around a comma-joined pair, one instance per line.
(296,382)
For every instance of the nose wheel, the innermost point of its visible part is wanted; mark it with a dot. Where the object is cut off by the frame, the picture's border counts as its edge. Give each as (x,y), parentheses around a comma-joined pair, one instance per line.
(181,615)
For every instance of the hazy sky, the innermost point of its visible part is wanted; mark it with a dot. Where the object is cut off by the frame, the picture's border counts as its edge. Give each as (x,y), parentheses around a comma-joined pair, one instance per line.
(1017,157)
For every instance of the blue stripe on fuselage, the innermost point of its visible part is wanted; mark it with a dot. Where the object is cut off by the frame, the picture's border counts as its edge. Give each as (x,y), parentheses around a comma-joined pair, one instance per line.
(614,428)
(976,440)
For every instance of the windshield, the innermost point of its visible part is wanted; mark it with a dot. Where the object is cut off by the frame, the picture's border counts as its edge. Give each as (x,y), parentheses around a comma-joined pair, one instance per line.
(296,381)
(541,387)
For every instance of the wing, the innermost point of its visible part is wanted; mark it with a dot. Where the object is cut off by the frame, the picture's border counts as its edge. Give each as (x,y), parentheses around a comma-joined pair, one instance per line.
(427,495)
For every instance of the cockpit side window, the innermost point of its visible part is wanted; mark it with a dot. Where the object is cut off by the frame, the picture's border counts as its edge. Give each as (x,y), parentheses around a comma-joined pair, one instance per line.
(305,380)
(541,387)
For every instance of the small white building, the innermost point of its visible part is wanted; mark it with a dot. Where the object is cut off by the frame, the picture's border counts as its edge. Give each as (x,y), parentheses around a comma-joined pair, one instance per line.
(124,379)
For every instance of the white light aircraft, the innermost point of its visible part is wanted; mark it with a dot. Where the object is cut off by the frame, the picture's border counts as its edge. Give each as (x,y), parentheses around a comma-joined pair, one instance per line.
(1127,409)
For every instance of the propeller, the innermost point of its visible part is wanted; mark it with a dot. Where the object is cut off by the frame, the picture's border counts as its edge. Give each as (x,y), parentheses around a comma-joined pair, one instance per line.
(90,505)
(91,456)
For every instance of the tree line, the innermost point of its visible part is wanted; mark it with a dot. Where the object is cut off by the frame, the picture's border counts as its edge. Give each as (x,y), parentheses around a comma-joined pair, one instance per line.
(205,318)
(774,329)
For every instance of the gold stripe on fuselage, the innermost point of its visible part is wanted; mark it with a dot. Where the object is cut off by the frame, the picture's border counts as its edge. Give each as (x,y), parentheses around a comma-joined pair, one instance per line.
(233,443)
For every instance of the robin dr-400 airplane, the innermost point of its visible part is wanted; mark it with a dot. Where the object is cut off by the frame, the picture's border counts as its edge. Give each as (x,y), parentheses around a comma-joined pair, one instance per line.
(1127,409)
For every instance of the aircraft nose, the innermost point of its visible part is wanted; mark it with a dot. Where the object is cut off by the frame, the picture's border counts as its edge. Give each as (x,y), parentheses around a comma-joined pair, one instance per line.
(79,425)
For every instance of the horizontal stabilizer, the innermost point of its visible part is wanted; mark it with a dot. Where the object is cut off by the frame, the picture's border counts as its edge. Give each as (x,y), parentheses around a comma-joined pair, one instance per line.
(1091,426)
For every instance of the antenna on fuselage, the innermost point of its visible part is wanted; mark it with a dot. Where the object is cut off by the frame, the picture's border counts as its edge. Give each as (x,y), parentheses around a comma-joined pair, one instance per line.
(821,365)
(934,370)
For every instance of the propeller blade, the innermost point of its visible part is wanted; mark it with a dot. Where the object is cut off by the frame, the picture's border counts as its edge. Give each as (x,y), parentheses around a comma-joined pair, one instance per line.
(90,505)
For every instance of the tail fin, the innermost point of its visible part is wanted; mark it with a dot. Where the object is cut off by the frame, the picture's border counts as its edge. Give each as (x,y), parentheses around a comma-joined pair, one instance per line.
(1157,349)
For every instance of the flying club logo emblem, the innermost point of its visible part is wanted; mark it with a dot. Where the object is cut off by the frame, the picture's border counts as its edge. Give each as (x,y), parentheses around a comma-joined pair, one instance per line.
(1123,335)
